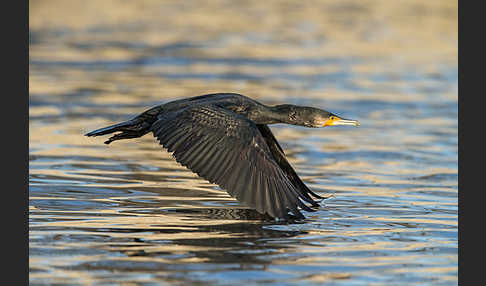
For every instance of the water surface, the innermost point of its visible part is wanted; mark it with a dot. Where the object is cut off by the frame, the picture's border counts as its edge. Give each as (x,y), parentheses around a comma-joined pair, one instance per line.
(128,214)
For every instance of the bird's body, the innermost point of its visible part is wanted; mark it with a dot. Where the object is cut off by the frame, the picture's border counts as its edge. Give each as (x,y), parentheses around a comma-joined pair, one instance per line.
(224,138)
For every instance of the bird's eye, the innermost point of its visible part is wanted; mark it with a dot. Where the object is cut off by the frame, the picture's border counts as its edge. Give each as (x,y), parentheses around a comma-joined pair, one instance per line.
(332,117)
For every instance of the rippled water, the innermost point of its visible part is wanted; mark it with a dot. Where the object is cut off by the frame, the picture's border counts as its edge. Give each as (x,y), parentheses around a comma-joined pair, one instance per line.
(128,214)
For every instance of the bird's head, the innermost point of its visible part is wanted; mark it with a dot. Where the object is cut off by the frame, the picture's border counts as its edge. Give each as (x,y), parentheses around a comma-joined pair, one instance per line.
(310,116)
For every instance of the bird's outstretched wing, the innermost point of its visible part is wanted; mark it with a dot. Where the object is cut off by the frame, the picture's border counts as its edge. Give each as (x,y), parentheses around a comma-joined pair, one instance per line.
(228,149)
(279,156)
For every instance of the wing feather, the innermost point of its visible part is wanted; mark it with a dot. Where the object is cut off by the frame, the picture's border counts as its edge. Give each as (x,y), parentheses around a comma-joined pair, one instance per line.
(226,159)
(280,158)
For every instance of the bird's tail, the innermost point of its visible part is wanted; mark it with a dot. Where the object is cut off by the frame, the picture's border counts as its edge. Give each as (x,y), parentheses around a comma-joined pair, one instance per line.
(133,128)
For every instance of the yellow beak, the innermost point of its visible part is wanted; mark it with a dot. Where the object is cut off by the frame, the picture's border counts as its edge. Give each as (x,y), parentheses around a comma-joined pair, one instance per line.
(334,120)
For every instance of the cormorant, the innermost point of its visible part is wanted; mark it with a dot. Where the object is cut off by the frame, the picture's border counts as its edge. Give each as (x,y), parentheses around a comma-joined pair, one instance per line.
(224,138)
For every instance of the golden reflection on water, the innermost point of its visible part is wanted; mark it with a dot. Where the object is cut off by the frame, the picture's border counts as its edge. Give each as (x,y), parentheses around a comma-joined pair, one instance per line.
(128,213)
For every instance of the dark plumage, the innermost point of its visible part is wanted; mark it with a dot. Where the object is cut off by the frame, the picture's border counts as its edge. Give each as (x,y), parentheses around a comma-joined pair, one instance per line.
(225,139)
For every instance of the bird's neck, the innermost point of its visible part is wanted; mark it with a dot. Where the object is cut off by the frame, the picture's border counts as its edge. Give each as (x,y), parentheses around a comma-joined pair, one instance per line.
(269,115)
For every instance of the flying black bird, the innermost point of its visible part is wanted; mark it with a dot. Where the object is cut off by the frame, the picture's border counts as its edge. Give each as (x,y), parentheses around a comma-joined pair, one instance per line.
(224,138)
